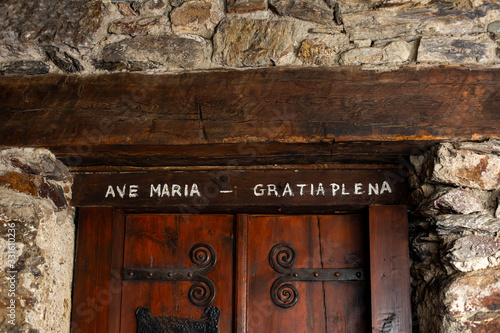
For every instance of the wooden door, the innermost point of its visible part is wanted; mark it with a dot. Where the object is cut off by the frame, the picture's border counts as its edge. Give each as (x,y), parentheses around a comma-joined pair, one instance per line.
(315,249)
(180,245)
(326,262)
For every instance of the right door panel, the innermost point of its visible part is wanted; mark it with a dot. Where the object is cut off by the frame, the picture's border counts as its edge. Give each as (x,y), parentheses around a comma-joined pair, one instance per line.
(304,246)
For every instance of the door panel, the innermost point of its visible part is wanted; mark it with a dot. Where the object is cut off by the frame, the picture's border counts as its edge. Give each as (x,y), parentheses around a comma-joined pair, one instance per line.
(319,242)
(165,241)
(307,315)
(343,245)
(243,275)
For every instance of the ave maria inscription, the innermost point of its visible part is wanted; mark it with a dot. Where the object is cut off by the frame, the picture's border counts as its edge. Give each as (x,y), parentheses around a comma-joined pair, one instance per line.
(226,190)
(167,190)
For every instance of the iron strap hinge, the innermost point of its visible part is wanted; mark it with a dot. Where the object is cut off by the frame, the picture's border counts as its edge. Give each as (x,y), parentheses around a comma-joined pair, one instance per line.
(283,256)
(202,292)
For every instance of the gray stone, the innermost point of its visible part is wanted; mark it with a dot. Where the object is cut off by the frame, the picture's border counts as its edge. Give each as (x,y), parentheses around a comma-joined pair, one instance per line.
(426,263)
(125,9)
(395,52)
(24,67)
(457,50)
(152,8)
(177,3)
(243,42)
(497,211)
(307,10)
(246,6)
(474,252)
(384,24)
(63,60)
(452,23)
(33,161)
(359,43)
(451,201)
(71,22)
(43,244)
(466,303)
(146,53)
(364,55)
(353,6)
(494,27)
(134,26)
(485,147)
(197,17)
(473,301)
(474,223)
(464,167)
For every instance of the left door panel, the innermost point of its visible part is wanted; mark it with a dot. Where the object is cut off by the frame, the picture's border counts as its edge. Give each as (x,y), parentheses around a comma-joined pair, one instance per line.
(180,246)
(109,242)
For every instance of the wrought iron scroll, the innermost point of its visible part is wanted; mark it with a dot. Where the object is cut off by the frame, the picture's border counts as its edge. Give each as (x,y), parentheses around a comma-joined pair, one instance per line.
(149,323)
(202,292)
(283,256)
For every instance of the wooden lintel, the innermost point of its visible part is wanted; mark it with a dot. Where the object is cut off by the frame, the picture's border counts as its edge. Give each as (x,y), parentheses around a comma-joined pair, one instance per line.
(130,117)
(236,189)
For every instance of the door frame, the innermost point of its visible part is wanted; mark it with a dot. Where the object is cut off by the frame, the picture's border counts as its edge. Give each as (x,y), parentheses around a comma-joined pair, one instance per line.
(100,240)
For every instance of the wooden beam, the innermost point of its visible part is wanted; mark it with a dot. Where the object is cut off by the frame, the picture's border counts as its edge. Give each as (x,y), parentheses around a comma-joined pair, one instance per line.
(108,114)
(239,154)
(239,189)
(390,269)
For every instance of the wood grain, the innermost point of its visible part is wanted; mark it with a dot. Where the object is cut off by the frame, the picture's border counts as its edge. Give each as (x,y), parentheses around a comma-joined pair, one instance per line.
(308,314)
(164,241)
(92,189)
(96,290)
(390,269)
(75,115)
(344,245)
(241,277)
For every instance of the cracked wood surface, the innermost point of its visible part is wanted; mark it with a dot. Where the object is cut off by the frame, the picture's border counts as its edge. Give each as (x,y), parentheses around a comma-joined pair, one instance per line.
(94,119)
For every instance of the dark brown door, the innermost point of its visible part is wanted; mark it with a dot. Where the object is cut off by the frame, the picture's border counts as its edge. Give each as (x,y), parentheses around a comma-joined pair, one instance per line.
(165,242)
(315,249)
(168,242)
(266,273)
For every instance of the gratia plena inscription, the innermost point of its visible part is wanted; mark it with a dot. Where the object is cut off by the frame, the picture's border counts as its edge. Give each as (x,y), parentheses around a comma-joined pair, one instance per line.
(318,189)
(289,189)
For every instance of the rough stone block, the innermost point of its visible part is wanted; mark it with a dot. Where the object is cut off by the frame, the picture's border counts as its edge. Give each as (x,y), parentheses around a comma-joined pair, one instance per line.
(323,51)
(473,301)
(24,67)
(73,22)
(151,8)
(474,222)
(312,10)
(396,52)
(386,24)
(474,252)
(353,6)
(34,161)
(457,50)
(451,201)
(134,26)
(246,6)
(42,248)
(465,167)
(144,53)
(242,42)
(197,17)
(465,303)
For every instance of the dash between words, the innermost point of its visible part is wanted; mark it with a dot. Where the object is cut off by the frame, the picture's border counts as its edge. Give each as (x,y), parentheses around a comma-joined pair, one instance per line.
(259,190)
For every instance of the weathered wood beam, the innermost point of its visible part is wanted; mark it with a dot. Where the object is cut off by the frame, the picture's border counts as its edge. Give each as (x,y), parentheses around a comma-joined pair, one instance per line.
(132,116)
(192,191)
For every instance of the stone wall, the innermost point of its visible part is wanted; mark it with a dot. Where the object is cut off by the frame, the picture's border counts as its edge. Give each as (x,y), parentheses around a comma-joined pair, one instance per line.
(84,36)
(36,242)
(455,238)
